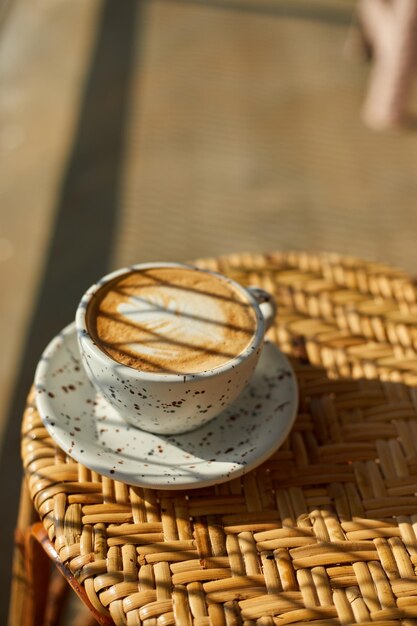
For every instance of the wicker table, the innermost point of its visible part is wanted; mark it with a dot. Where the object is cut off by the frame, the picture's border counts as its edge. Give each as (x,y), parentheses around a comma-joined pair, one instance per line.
(323,532)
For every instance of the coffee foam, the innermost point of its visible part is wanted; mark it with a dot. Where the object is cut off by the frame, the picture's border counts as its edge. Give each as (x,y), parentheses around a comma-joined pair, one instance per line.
(171,319)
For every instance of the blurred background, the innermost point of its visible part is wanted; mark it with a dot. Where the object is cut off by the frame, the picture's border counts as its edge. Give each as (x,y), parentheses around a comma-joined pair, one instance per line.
(169,130)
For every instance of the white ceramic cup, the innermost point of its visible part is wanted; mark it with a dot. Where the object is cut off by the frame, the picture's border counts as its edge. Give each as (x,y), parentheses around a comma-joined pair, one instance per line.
(172,403)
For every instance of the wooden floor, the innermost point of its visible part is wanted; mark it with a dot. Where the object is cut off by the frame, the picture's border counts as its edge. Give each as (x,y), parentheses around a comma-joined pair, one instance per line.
(168,130)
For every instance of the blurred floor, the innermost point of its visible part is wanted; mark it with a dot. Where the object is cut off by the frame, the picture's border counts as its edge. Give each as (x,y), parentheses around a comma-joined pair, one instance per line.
(166,129)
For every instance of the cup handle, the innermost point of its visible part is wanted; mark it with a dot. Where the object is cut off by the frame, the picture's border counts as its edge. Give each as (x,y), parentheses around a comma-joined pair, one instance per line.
(266,303)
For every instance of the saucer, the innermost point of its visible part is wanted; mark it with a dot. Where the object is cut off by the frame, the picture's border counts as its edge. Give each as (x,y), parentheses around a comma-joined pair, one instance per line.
(90,431)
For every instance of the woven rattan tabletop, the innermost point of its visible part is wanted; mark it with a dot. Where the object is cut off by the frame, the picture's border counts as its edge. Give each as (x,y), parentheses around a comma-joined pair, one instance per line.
(325,531)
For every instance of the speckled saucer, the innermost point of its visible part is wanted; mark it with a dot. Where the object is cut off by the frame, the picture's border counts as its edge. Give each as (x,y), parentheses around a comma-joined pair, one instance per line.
(86,427)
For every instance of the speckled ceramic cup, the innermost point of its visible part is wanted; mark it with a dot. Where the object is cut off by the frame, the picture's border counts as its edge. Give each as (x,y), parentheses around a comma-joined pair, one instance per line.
(172,403)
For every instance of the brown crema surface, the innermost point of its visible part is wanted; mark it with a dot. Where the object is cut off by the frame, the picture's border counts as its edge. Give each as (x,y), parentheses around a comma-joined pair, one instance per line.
(171,320)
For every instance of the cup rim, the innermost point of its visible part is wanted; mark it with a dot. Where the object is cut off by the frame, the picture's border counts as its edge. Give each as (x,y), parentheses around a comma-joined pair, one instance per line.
(125,370)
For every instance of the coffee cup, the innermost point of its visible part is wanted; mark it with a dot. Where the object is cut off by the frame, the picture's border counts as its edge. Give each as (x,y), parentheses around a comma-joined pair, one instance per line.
(169,345)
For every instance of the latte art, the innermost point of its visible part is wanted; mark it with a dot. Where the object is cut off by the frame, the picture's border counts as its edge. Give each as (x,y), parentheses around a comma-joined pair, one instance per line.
(171,320)
(178,320)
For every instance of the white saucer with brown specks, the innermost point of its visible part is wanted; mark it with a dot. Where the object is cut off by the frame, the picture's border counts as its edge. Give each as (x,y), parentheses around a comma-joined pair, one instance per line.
(89,430)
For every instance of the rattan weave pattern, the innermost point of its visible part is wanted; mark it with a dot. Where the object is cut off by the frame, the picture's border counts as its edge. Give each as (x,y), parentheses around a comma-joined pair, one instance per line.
(324,532)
